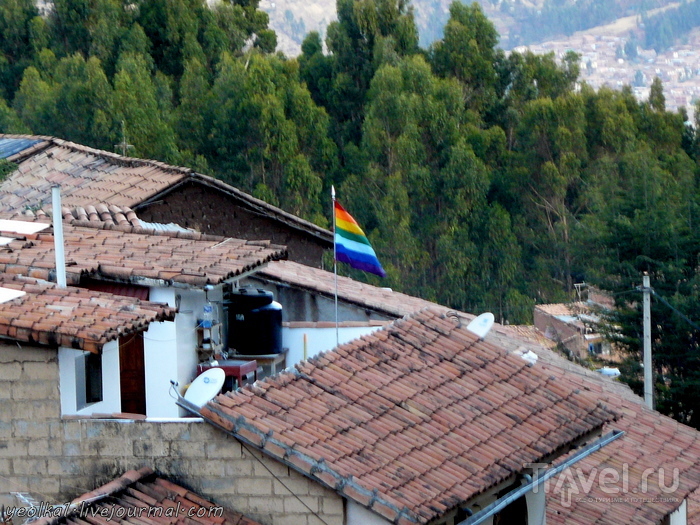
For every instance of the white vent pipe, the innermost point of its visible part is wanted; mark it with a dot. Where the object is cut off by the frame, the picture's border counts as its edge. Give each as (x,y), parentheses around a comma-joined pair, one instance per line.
(58,236)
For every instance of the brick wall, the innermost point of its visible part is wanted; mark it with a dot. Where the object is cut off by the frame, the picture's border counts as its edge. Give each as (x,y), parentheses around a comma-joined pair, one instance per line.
(57,459)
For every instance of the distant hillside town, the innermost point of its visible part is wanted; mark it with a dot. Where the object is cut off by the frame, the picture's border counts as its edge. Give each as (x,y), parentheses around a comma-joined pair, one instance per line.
(604,63)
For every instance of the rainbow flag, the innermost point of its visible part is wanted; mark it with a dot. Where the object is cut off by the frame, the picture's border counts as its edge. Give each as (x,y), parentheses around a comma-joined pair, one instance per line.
(351,244)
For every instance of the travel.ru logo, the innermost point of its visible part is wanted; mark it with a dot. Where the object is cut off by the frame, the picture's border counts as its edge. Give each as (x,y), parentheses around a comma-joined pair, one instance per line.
(608,484)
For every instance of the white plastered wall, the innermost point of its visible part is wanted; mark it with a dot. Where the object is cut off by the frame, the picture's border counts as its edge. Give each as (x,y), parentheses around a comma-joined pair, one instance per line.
(536,506)
(170,347)
(161,359)
(111,394)
(680,515)
(356,514)
(318,340)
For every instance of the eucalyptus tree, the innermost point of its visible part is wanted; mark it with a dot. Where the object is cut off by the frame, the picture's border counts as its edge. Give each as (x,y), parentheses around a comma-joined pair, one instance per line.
(265,133)
(22,35)
(141,103)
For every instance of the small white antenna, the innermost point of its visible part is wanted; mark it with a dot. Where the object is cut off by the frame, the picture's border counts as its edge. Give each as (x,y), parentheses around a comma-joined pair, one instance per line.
(482,324)
(124,145)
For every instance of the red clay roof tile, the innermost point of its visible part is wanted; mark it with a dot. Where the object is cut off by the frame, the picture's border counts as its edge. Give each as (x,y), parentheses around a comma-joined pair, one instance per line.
(124,253)
(73,317)
(106,185)
(140,497)
(387,411)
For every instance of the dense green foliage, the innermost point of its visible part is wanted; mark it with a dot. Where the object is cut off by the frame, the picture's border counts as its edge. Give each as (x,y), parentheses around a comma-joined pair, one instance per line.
(485,181)
(6,167)
(663,29)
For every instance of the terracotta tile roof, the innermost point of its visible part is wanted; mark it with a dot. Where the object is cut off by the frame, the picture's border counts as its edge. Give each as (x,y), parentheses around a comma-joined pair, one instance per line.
(561,308)
(123,216)
(139,496)
(89,215)
(413,420)
(531,333)
(86,175)
(73,317)
(128,254)
(394,304)
(654,454)
(651,440)
(89,176)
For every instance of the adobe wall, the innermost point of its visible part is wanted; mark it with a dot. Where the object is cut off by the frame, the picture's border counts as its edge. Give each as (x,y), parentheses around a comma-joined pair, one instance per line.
(213,212)
(563,332)
(58,459)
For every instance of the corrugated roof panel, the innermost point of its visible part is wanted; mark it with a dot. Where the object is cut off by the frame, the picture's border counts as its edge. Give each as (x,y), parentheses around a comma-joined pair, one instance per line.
(170,227)
(9,147)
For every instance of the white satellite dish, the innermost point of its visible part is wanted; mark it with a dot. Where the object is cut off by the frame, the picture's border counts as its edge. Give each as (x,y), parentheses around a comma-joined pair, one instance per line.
(609,371)
(482,324)
(205,387)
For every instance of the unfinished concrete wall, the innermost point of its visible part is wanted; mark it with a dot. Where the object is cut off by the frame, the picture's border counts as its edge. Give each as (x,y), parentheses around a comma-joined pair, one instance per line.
(56,459)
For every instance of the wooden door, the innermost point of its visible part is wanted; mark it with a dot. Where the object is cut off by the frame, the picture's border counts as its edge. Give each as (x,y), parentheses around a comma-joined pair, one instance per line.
(132,374)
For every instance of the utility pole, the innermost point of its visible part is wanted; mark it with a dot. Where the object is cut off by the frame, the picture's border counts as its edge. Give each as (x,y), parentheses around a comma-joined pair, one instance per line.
(648,375)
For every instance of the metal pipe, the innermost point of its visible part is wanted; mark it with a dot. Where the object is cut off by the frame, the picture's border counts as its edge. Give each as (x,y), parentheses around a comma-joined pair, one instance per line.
(335,268)
(513,495)
(58,237)
(648,367)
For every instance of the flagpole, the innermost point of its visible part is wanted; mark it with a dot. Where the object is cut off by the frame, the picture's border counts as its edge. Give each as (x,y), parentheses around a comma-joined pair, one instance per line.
(335,268)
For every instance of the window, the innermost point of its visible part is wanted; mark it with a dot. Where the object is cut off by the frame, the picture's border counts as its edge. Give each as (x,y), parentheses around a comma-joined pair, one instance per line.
(88,379)
(595,348)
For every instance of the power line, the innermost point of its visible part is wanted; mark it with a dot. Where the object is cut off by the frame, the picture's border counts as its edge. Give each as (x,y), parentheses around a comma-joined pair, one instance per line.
(641,289)
(681,314)
(259,460)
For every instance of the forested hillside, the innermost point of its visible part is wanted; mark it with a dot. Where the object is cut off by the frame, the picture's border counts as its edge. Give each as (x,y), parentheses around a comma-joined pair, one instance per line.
(484,181)
(556,18)
(520,22)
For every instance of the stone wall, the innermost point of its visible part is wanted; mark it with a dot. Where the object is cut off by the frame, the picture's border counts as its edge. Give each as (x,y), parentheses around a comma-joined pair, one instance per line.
(57,459)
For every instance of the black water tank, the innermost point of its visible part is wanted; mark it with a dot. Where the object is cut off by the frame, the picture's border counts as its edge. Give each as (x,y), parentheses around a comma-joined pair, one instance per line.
(254,322)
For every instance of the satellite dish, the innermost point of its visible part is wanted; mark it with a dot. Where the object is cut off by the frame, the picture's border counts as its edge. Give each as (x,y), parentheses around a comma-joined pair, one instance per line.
(205,387)
(482,324)
(608,371)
